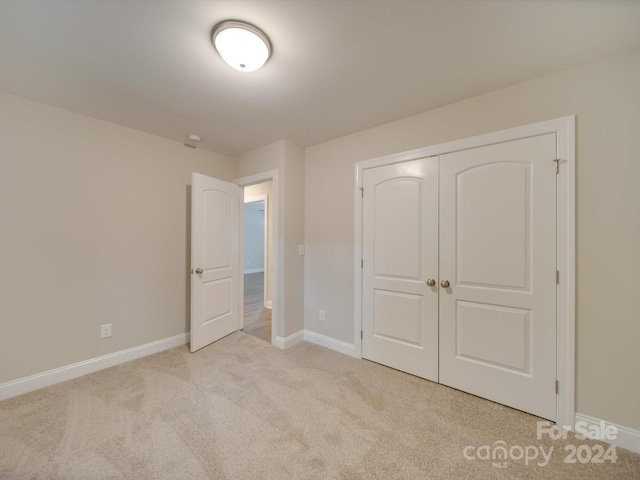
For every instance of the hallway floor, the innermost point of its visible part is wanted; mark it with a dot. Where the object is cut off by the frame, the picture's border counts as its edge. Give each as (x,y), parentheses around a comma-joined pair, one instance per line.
(257,318)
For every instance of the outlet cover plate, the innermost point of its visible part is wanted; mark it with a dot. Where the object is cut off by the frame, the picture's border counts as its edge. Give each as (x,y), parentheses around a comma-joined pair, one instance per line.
(105,330)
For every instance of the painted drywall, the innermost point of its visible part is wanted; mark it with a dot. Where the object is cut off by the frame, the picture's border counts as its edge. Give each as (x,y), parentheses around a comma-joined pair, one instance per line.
(288,160)
(293,237)
(606,99)
(94,222)
(254,236)
(265,188)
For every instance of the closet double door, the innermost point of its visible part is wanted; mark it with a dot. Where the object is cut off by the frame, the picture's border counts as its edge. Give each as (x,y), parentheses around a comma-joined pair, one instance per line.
(459,270)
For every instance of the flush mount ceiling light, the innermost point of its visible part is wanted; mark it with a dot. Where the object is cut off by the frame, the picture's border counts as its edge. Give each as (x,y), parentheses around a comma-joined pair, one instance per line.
(242,45)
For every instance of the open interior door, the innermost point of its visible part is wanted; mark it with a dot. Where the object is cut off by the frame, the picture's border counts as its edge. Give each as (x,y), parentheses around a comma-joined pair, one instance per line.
(215,259)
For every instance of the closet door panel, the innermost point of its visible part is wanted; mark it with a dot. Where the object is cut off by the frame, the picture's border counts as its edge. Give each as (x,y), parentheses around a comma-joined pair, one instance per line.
(497,318)
(400,253)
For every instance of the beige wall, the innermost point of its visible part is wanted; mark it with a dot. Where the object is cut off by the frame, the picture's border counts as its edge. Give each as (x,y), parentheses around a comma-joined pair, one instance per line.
(288,160)
(605,96)
(294,236)
(94,229)
(265,188)
(260,160)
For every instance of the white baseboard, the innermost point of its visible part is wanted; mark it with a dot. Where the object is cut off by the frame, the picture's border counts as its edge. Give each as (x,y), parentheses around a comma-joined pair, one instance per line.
(285,342)
(62,374)
(331,343)
(268,304)
(628,438)
(253,270)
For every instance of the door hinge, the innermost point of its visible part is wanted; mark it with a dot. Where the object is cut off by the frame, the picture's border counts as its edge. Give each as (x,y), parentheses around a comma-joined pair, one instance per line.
(362,263)
(557,162)
(558,277)
(557,386)
(361,335)
(362,192)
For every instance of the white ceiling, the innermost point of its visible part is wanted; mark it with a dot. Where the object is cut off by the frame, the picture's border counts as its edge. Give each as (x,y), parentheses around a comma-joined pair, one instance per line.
(338,67)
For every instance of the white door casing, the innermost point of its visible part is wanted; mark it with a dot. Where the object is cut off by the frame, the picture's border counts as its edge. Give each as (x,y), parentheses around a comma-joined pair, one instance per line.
(400,254)
(215,259)
(277,261)
(498,251)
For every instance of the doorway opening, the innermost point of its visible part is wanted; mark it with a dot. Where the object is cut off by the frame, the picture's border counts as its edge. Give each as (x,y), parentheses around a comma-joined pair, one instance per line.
(258,260)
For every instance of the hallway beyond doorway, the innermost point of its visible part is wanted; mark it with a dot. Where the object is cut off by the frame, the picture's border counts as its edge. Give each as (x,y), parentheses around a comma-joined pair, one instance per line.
(257,318)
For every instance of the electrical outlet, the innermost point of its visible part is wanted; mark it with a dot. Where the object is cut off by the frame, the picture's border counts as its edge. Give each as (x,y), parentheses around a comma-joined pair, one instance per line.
(105,330)
(301,250)
(321,315)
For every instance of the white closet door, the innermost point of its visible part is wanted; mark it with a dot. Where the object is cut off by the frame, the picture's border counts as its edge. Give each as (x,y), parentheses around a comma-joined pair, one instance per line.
(498,251)
(400,253)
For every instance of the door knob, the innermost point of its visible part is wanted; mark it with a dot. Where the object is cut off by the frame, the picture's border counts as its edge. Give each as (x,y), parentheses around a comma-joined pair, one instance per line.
(431,282)
(199,271)
(445,284)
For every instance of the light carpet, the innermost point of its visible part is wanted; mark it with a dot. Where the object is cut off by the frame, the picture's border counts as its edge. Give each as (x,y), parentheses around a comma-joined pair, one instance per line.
(242,409)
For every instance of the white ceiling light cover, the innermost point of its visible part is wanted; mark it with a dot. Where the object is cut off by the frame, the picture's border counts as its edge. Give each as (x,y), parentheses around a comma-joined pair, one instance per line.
(243,46)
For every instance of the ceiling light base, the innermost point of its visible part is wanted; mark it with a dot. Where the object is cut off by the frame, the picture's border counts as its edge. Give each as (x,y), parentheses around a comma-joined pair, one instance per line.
(243,46)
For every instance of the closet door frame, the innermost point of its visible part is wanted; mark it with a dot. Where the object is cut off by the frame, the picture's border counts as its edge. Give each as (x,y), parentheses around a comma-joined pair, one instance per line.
(564,128)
